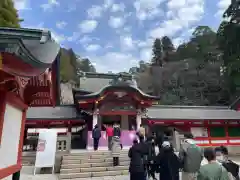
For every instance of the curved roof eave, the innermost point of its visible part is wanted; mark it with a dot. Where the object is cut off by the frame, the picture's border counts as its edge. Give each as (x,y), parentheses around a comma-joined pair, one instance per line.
(117,88)
(38,47)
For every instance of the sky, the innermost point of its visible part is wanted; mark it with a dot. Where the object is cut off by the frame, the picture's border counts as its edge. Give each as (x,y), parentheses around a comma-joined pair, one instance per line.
(116,34)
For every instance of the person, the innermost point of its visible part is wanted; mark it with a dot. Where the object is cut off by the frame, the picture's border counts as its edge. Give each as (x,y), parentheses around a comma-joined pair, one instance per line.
(168,163)
(116,148)
(229,165)
(213,170)
(191,157)
(141,131)
(151,158)
(109,132)
(159,140)
(96,135)
(116,130)
(136,166)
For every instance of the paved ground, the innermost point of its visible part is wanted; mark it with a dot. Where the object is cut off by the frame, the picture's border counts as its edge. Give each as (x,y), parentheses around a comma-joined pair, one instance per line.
(52,177)
(55,177)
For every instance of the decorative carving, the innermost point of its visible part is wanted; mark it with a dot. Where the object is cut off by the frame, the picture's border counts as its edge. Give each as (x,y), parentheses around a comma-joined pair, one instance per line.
(22,81)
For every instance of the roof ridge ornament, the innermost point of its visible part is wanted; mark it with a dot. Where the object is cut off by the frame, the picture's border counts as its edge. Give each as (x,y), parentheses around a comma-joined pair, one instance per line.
(46,35)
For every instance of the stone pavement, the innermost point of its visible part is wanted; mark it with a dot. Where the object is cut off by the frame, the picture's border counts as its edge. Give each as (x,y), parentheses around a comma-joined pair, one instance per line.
(54,177)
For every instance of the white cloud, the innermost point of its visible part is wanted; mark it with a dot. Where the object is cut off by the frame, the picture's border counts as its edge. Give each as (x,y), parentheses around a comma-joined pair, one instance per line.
(177,41)
(127,42)
(118,7)
(148,9)
(222,5)
(88,26)
(116,22)
(85,39)
(50,5)
(21,4)
(114,61)
(92,47)
(61,24)
(181,15)
(75,36)
(107,4)
(95,12)
(146,54)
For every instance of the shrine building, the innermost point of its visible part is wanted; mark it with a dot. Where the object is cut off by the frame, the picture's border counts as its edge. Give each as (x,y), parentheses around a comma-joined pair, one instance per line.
(26,62)
(112,98)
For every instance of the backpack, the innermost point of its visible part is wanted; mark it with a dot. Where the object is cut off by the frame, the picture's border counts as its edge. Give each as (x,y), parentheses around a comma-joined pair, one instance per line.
(117,131)
(232,168)
(192,159)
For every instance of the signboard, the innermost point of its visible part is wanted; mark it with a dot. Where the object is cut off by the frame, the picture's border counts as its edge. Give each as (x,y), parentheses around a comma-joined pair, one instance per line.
(199,132)
(46,149)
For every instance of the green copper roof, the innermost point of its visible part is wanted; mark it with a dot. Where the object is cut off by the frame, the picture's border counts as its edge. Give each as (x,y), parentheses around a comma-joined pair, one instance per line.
(35,47)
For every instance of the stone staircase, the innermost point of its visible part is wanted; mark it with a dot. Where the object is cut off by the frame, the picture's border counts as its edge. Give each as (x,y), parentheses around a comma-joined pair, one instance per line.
(92,164)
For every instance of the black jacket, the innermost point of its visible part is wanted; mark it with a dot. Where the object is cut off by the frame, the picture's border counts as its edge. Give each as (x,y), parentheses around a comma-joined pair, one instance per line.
(169,164)
(151,152)
(136,154)
(117,131)
(96,133)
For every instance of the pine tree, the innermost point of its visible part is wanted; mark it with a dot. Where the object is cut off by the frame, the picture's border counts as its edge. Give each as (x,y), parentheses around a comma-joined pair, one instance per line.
(157,52)
(8,14)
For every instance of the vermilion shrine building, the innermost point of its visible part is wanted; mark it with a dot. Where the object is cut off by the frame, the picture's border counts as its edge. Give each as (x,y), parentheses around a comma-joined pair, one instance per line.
(26,62)
(108,98)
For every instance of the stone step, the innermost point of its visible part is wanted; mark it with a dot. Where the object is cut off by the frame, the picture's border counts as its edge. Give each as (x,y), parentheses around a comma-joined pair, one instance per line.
(80,161)
(93,169)
(100,152)
(93,174)
(89,165)
(95,156)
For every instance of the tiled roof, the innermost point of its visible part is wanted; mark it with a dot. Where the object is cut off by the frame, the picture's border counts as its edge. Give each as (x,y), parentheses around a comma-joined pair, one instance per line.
(188,112)
(60,112)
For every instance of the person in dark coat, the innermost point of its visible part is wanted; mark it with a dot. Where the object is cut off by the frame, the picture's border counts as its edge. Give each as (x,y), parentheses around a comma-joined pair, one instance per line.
(168,163)
(136,167)
(159,140)
(151,167)
(96,135)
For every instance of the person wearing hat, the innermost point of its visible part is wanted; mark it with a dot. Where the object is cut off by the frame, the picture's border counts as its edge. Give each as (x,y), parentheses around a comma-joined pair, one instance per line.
(168,162)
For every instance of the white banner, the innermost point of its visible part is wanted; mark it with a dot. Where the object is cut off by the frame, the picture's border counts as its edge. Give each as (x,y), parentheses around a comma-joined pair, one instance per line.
(46,149)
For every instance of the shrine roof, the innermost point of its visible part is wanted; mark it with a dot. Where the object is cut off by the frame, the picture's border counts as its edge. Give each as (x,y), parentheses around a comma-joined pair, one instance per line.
(93,82)
(31,46)
(59,112)
(192,112)
(117,88)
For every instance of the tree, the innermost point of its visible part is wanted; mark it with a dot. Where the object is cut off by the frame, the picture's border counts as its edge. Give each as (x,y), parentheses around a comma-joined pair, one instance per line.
(167,47)
(228,38)
(85,65)
(233,12)
(157,52)
(8,14)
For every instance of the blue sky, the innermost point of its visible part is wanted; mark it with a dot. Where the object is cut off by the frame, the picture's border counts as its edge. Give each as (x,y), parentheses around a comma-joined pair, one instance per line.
(116,34)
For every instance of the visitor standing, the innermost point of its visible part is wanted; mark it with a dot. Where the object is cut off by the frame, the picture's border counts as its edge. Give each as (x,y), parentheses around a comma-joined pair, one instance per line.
(191,157)
(109,132)
(212,170)
(136,167)
(151,167)
(229,165)
(116,148)
(141,131)
(168,163)
(96,135)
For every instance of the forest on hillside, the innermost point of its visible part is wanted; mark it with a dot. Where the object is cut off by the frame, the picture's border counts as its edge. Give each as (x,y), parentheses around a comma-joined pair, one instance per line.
(202,71)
